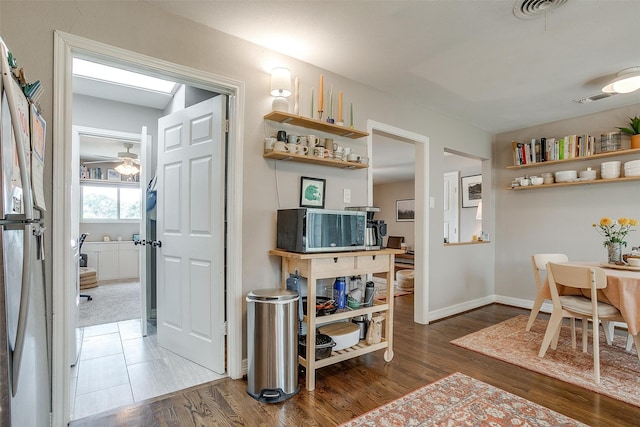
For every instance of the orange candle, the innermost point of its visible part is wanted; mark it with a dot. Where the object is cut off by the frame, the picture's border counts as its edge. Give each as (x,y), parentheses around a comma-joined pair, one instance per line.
(321,93)
(339,106)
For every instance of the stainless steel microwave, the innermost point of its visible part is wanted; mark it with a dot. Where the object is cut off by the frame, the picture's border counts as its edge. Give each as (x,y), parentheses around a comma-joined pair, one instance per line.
(308,230)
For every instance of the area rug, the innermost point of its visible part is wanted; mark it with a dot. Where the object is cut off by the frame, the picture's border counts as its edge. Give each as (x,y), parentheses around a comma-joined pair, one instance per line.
(110,303)
(508,341)
(459,400)
(380,286)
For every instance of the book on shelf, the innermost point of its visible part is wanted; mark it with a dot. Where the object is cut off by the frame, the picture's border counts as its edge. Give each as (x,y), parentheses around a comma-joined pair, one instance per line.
(550,149)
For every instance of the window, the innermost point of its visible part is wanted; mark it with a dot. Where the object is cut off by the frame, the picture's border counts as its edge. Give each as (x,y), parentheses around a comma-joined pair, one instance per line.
(110,203)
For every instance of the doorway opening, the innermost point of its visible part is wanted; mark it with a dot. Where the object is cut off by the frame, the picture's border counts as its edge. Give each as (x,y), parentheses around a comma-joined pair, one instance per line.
(67,46)
(420,145)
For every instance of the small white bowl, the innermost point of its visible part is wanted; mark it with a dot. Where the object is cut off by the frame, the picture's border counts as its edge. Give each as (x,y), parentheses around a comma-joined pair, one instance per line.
(614,164)
(588,174)
(634,262)
(563,176)
(537,180)
(610,175)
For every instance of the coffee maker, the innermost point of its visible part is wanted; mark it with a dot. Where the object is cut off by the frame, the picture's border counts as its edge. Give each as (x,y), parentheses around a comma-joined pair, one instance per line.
(376,228)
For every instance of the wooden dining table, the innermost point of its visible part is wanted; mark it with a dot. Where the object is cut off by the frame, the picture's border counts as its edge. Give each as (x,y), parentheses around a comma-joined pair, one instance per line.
(622,291)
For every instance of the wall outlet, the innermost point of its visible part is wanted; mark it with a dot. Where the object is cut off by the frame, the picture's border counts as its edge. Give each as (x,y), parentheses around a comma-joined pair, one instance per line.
(346,195)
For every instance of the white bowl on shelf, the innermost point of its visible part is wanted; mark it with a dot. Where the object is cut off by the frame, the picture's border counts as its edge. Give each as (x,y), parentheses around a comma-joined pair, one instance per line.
(632,163)
(564,176)
(632,172)
(610,175)
(587,175)
(536,180)
(613,164)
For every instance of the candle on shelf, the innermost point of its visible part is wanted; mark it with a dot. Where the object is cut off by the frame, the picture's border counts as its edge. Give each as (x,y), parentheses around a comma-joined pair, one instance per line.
(339,106)
(311,114)
(321,93)
(330,102)
(351,121)
(296,96)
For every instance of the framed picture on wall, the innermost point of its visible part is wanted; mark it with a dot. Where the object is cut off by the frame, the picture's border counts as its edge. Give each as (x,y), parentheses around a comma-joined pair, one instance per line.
(405,210)
(471,191)
(312,192)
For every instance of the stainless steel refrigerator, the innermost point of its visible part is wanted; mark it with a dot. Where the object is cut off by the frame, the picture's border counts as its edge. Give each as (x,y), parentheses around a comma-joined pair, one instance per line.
(25,373)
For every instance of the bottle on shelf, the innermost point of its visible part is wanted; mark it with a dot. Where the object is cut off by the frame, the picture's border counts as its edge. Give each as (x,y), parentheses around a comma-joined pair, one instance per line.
(340,286)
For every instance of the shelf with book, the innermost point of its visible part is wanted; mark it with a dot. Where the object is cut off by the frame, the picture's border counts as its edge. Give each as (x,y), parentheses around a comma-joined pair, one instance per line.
(574,159)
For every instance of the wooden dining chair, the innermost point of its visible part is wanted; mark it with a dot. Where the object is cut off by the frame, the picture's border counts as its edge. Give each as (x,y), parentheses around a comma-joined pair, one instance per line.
(539,262)
(578,306)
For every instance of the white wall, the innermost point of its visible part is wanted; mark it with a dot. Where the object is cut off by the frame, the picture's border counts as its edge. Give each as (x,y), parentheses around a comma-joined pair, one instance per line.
(117,116)
(556,219)
(469,225)
(268,184)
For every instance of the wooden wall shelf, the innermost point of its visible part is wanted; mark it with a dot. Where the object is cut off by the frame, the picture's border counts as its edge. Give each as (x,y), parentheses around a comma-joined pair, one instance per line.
(578,159)
(282,155)
(281,117)
(565,184)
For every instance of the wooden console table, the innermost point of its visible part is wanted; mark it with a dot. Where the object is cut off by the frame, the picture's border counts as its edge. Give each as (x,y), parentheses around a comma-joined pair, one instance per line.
(337,264)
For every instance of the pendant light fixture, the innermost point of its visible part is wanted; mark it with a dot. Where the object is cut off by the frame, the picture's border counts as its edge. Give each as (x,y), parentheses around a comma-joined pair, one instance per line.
(627,81)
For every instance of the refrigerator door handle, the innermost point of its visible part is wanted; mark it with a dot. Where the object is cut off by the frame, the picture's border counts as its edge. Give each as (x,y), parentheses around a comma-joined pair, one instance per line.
(38,232)
(16,355)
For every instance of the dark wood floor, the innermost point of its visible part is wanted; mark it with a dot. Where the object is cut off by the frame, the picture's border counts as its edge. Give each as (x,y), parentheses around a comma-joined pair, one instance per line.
(422,355)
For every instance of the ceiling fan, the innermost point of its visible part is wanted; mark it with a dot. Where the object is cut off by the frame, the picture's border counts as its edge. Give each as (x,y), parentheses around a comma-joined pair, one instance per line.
(129,164)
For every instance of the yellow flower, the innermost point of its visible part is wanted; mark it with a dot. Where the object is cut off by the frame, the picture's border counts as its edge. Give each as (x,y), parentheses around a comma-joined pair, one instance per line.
(623,221)
(605,222)
(633,222)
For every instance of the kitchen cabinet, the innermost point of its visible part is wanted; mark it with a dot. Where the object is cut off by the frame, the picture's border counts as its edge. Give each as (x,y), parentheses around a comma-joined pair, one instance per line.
(292,119)
(629,152)
(332,265)
(113,260)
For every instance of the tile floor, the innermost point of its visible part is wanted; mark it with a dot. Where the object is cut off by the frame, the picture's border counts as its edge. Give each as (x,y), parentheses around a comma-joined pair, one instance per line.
(117,366)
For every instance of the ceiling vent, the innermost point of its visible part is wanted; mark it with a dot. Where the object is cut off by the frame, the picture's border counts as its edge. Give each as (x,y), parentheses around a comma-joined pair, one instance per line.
(529,9)
(593,98)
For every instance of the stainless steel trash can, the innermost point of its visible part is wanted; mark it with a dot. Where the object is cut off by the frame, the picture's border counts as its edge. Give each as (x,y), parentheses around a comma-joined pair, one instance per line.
(272,344)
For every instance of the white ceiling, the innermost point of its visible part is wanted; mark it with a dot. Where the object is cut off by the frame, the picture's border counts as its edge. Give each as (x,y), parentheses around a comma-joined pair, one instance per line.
(469,59)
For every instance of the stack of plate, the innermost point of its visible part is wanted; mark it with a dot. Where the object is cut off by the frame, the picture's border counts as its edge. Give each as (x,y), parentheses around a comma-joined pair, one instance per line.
(610,170)
(632,168)
(566,176)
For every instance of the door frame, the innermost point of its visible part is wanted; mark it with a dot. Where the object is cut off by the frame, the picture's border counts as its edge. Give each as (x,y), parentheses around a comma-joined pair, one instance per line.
(65,47)
(423,203)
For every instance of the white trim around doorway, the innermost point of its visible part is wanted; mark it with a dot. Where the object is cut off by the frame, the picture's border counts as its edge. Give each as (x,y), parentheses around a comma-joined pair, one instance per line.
(65,47)
(422,203)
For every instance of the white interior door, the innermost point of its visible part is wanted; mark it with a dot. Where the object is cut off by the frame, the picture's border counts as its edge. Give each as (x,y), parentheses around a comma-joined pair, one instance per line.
(451,206)
(190,221)
(142,270)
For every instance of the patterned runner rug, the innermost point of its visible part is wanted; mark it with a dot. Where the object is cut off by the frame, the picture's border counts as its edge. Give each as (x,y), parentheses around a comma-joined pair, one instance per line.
(508,341)
(459,400)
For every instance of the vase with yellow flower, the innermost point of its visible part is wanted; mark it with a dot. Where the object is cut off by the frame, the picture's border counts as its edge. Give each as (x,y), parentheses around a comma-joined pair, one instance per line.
(615,233)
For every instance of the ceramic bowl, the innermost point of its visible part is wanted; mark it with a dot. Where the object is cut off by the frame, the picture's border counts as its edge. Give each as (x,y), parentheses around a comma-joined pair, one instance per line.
(564,176)
(610,174)
(536,180)
(634,262)
(588,174)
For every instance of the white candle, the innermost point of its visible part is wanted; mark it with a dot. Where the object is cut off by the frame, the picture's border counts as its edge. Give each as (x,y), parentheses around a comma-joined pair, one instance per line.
(321,93)
(331,102)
